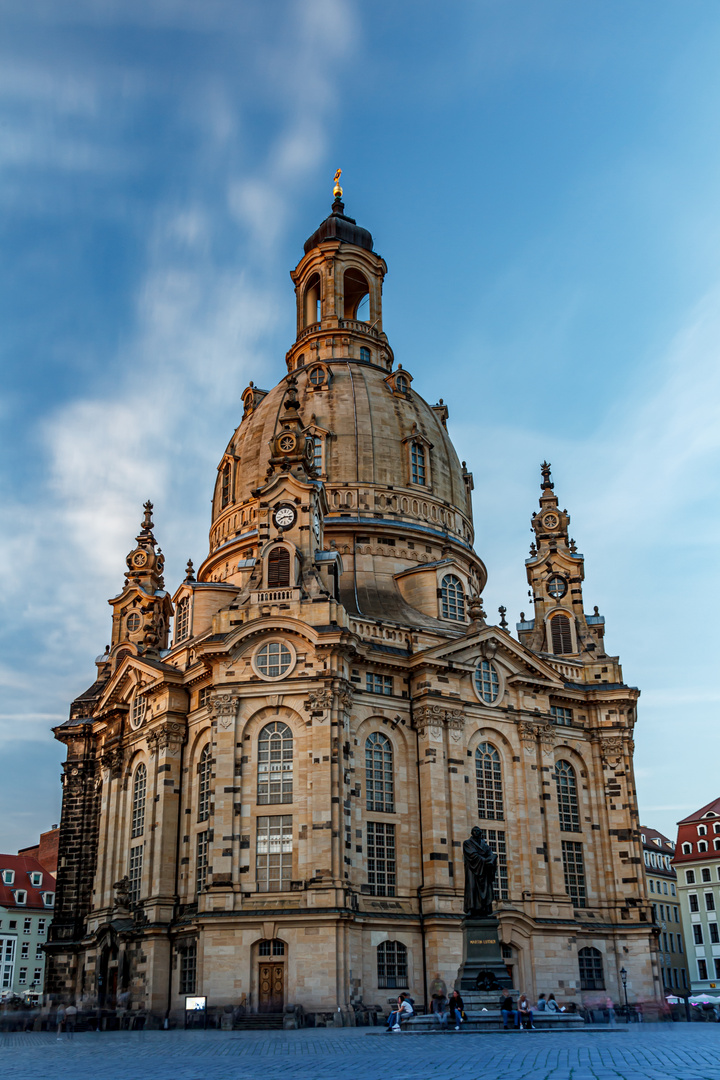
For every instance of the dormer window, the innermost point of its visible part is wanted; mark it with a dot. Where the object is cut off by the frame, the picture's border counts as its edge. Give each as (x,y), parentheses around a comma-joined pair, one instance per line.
(49,899)
(20,897)
(452,598)
(8,877)
(687,849)
(36,879)
(401,384)
(418,468)
(702,845)
(702,830)
(318,377)
(225,485)
(182,620)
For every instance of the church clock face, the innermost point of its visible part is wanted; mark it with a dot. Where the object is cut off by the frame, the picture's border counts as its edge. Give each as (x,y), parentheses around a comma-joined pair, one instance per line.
(551,521)
(284,517)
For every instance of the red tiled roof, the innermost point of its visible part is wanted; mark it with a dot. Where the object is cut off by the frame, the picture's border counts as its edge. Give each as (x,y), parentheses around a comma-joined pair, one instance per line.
(23,866)
(650,836)
(713,807)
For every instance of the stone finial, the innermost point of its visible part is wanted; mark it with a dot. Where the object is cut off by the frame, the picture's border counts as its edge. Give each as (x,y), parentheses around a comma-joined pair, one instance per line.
(547,483)
(147,522)
(189,571)
(522,616)
(595,610)
(573,547)
(533,550)
(502,610)
(476,612)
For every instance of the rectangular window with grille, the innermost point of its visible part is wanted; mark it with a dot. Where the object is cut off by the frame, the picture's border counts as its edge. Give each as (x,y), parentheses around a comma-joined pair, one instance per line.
(201,861)
(273,853)
(574,869)
(417,460)
(204,696)
(188,969)
(135,872)
(702,969)
(496,840)
(7,961)
(698,934)
(318,453)
(561,715)
(381,858)
(378,684)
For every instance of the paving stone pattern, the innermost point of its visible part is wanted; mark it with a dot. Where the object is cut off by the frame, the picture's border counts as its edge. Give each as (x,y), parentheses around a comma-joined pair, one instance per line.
(642,1052)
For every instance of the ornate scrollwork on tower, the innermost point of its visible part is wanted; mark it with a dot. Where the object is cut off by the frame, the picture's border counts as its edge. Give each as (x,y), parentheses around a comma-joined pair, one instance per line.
(429,720)
(455,720)
(611,750)
(113,761)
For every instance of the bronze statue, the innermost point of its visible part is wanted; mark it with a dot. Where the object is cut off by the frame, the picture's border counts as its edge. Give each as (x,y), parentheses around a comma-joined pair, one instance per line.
(480,870)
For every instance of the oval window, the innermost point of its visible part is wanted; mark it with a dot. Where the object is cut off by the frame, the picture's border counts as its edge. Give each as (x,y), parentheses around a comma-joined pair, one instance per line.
(487,682)
(557,587)
(317,376)
(133,622)
(273,660)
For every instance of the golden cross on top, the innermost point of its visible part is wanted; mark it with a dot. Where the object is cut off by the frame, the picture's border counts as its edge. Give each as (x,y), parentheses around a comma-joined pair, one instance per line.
(337,190)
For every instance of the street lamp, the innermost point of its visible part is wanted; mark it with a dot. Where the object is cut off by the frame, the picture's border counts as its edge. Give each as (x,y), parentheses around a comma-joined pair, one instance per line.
(623,976)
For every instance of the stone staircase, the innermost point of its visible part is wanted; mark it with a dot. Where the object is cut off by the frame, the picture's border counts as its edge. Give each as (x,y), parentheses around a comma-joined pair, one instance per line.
(259,1022)
(482,1014)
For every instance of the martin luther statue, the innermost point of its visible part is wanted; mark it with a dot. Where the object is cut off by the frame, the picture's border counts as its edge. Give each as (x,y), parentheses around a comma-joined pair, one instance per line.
(480,870)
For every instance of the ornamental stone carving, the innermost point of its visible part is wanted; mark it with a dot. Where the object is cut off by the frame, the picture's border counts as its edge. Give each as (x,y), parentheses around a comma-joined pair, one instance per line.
(612,751)
(223,708)
(318,701)
(455,719)
(547,735)
(113,761)
(527,735)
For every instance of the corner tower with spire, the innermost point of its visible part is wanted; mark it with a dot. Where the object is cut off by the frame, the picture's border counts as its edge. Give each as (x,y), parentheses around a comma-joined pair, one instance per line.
(555,572)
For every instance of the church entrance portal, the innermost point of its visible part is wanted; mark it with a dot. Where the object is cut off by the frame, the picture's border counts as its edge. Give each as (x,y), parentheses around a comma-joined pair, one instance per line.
(271,986)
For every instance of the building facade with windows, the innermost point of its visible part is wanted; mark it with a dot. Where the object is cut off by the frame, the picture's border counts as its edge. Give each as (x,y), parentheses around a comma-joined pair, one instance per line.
(697,864)
(672,972)
(27,903)
(269,805)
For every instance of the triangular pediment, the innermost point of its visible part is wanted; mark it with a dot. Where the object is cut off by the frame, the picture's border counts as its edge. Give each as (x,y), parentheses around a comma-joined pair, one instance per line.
(492,643)
(132,673)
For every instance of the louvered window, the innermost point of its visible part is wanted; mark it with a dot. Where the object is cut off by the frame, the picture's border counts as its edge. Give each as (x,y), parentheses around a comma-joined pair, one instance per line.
(561,635)
(278,568)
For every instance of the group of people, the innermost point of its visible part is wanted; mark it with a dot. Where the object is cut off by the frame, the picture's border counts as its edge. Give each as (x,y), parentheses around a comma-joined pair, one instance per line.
(521,1014)
(444,1009)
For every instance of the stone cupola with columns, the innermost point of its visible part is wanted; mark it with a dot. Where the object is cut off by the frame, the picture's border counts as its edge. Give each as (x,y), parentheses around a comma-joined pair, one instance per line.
(269,808)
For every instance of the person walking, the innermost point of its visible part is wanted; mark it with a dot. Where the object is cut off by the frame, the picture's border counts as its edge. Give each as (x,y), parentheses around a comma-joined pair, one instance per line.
(526,1015)
(508,1009)
(71,1020)
(60,1021)
(439,1007)
(456,1009)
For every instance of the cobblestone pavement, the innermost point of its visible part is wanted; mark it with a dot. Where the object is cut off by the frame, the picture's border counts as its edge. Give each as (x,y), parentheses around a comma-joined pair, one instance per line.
(640,1052)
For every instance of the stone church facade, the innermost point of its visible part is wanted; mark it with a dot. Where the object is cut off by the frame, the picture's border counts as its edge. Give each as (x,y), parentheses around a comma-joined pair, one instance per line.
(268,805)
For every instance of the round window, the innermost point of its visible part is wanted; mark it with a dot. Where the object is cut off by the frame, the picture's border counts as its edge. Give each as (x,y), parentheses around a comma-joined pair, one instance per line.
(133,622)
(557,587)
(273,660)
(317,376)
(487,682)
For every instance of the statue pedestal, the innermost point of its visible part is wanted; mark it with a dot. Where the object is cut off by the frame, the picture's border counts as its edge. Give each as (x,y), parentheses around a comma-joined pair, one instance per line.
(482,967)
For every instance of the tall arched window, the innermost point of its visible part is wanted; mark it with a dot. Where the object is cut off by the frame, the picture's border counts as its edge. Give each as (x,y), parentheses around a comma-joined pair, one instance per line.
(312,301)
(278,568)
(379,773)
(275,764)
(567,798)
(392,965)
(356,291)
(182,620)
(591,969)
(452,596)
(418,470)
(488,782)
(225,485)
(204,776)
(561,634)
(138,800)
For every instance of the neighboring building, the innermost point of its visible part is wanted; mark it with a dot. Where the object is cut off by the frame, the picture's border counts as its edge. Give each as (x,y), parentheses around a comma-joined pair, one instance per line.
(27,901)
(272,804)
(697,862)
(661,884)
(46,851)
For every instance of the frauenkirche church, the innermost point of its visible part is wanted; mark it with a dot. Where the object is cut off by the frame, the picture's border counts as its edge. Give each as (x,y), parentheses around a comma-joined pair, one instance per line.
(267,806)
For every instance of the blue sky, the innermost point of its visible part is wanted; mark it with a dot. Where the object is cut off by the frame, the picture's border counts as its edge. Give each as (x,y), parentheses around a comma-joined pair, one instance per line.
(542,179)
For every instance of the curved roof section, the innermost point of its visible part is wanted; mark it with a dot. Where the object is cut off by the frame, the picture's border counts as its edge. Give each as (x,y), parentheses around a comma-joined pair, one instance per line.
(340,227)
(367,425)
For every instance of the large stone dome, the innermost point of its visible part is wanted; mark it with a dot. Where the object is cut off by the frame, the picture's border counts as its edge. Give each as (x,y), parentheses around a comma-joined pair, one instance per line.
(392,485)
